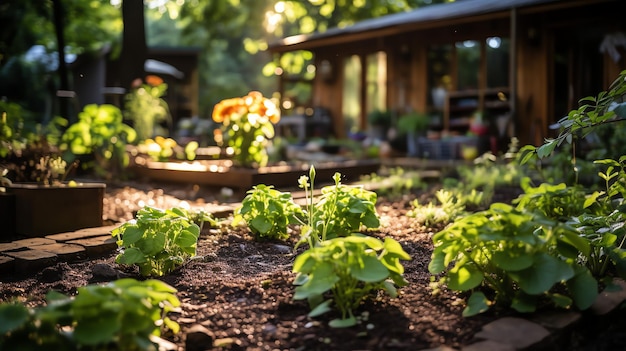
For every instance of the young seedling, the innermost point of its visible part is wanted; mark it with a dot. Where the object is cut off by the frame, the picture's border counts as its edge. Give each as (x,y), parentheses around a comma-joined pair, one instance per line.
(159,241)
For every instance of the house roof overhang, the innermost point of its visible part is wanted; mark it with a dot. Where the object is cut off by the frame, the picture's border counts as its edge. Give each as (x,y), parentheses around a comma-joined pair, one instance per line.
(432,16)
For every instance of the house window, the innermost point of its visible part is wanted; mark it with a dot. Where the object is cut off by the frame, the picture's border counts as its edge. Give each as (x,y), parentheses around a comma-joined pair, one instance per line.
(497,51)
(468,64)
(351,104)
(376,81)
(439,68)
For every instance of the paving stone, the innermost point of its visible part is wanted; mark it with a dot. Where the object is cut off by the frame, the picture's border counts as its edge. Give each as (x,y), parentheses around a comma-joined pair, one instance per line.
(7,264)
(31,260)
(440,348)
(607,301)
(33,242)
(82,233)
(97,246)
(516,332)
(66,252)
(488,345)
(557,319)
(12,246)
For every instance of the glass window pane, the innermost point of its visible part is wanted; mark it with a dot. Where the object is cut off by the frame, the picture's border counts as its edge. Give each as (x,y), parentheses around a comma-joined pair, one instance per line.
(439,80)
(468,64)
(376,81)
(351,106)
(497,62)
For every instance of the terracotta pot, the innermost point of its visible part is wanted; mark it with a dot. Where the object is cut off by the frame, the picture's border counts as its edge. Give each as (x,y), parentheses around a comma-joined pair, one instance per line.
(42,210)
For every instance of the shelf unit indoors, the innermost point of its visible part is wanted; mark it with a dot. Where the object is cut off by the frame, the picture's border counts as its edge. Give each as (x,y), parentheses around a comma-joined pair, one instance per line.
(460,106)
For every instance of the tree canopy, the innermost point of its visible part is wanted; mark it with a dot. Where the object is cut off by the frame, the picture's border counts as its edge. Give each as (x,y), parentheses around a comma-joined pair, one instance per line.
(232,34)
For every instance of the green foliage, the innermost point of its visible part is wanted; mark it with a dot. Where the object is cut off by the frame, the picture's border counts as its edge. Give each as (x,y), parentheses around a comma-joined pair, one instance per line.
(268,212)
(145,107)
(594,111)
(450,207)
(351,269)
(340,210)
(413,122)
(558,202)
(30,152)
(99,132)
(159,241)
(393,182)
(379,118)
(521,258)
(121,315)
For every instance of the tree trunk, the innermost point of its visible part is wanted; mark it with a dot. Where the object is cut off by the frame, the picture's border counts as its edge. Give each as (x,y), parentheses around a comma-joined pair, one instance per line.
(134,48)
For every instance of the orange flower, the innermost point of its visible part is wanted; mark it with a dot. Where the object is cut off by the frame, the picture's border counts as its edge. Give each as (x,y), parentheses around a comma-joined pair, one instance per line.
(253,103)
(154,80)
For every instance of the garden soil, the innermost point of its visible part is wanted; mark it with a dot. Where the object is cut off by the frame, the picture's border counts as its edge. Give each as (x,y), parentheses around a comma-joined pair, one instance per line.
(238,293)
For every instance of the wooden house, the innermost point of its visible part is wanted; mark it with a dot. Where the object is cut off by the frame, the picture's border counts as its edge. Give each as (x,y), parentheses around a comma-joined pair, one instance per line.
(521,64)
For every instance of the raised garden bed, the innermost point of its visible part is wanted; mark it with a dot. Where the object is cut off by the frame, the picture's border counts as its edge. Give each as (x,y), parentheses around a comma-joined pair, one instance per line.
(222,173)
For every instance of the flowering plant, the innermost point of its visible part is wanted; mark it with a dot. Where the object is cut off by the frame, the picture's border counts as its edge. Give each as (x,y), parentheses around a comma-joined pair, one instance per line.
(247,127)
(145,106)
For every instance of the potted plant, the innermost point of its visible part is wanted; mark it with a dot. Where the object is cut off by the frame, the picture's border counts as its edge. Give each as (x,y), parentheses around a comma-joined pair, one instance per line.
(414,125)
(33,175)
(379,123)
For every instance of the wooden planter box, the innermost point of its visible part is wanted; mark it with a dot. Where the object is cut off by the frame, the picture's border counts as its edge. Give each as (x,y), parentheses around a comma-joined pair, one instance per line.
(217,174)
(42,210)
(7,216)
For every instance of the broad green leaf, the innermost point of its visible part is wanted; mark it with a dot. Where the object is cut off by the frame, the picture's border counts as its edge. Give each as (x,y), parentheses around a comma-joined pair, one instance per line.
(131,256)
(394,247)
(575,240)
(546,149)
(186,239)
(321,279)
(12,316)
(321,308)
(99,330)
(132,234)
(436,264)
(584,289)
(372,270)
(512,260)
(262,224)
(545,272)
(304,263)
(524,303)
(464,277)
(343,323)
(476,304)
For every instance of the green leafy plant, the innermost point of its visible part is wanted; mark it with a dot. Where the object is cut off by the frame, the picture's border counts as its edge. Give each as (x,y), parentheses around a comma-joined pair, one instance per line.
(594,111)
(101,133)
(351,269)
(122,315)
(158,241)
(162,149)
(559,202)
(340,210)
(268,212)
(517,258)
(393,182)
(145,106)
(449,208)
(413,122)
